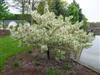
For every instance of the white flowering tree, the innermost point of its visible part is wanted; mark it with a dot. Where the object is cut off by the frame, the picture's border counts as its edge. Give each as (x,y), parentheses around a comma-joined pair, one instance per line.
(51,33)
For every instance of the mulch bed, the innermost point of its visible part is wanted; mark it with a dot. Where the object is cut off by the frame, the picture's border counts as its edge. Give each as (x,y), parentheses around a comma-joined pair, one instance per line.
(30,63)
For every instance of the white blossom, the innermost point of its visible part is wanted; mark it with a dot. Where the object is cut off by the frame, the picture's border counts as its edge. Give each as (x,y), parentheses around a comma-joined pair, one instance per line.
(54,32)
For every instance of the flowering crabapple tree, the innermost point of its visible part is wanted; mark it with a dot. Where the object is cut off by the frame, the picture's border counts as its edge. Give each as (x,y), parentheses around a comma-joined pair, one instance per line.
(51,33)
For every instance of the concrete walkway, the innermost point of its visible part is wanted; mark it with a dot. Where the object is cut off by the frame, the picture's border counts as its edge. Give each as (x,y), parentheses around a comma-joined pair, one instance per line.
(91,56)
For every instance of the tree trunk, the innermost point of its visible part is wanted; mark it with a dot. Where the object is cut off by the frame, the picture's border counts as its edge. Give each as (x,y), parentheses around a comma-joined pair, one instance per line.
(79,55)
(48,53)
(3,25)
(33,3)
(29,2)
(23,7)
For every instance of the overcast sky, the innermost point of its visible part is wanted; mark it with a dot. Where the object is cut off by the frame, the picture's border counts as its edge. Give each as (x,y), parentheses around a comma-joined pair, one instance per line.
(91,9)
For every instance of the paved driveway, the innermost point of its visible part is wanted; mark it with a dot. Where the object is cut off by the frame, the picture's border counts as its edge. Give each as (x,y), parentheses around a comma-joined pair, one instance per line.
(91,56)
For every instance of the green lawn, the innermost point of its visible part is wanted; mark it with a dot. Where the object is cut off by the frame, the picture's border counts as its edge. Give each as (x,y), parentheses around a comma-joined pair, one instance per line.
(8,48)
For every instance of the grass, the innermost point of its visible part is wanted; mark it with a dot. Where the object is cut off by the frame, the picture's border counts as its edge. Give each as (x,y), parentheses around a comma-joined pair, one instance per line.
(52,72)
(9,47)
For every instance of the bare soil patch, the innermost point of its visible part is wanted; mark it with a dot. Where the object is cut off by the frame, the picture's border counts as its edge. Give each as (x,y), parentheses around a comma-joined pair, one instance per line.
(32,63)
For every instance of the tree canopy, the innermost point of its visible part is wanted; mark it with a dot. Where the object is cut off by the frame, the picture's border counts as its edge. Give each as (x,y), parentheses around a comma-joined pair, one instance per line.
(4,12)
(50,33)
(75,11)
(56,6)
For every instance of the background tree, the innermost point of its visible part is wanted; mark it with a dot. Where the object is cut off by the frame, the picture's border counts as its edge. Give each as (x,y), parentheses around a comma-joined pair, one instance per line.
(75,11)
(58,7)
(40,8)
(4,12)
(26,6)
(62,8)
(22,5)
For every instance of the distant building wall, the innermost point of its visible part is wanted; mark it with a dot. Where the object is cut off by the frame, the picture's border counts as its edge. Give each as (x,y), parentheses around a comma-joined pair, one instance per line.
(95,28)
(7,22)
